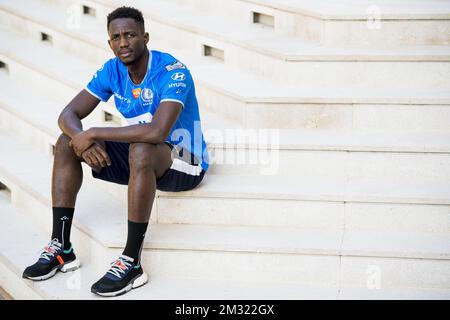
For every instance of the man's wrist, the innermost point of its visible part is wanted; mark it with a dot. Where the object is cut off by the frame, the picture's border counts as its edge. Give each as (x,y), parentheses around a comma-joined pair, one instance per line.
(92,133)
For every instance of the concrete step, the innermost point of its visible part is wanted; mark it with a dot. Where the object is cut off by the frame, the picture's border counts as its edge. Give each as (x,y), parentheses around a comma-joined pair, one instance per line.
(264,201)
(400,112)
(347,9)
(347,252)
(219,132)
(268,155)
(207,202)
(16,255)
(340,22)
(226,256)
(299,256)
(303,69)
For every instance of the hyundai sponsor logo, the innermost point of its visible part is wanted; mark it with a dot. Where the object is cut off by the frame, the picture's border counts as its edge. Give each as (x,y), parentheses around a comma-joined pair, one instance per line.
(179,76)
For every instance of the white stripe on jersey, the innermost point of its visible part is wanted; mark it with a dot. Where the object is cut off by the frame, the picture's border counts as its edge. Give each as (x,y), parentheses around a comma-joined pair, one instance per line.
(185,167)
(174,100)
(143,118)
(87,89)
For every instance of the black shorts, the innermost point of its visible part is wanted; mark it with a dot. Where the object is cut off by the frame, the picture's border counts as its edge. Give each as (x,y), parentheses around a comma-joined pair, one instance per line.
(185,173)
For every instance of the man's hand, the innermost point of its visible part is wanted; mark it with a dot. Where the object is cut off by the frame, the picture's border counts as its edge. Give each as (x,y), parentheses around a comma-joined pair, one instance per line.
(81,142)
(96,156)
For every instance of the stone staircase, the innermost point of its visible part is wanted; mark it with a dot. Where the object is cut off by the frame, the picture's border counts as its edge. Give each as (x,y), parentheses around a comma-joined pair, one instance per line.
(328,127)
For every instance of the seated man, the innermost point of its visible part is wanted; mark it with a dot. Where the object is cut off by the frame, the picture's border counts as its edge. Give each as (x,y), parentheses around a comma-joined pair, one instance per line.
(161,148)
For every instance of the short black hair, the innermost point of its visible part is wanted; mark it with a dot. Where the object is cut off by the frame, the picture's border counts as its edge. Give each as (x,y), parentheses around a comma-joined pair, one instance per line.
(127,12)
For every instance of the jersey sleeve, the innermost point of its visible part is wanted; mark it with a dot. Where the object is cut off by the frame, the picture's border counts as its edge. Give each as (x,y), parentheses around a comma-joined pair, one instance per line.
(100,84)
(175,86)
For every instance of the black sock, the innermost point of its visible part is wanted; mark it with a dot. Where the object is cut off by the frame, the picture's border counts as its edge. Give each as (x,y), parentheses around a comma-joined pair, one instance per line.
(62,223)
(135,240)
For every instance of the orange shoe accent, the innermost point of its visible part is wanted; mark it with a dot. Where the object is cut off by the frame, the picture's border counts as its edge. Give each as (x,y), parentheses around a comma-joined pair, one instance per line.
(61,261)
(121,265)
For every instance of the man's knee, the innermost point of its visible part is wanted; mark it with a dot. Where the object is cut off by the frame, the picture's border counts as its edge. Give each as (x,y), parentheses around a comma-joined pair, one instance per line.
(63,139)
(142,156)
(62,146)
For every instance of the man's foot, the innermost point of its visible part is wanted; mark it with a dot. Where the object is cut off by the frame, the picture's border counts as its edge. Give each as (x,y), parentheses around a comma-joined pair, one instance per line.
(122,276)
(52,259)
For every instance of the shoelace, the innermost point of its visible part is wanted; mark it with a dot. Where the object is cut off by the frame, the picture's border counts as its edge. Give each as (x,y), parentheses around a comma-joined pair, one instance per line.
(119,266)
(49,251)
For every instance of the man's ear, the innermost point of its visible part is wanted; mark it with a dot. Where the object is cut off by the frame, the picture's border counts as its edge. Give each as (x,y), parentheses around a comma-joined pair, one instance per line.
(146,37)
(109,43)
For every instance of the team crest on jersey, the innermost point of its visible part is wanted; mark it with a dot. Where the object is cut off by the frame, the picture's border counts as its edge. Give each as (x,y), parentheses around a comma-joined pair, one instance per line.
(136,92)
(175,65)
(147,95)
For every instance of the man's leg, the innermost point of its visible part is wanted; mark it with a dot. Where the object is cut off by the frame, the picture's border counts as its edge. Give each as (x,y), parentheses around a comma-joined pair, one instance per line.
(148,162)
(67,174)
(67,178)
(66,182)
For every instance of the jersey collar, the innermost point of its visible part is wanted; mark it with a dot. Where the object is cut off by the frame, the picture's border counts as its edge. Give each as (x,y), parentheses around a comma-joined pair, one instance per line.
(149,66)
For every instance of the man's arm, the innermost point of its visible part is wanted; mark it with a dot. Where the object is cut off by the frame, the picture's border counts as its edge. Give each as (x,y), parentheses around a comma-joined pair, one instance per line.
(155,132)
(80,107)
(69,122)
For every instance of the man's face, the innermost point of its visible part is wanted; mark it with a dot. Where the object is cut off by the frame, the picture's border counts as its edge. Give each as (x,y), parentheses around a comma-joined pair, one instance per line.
(126,40)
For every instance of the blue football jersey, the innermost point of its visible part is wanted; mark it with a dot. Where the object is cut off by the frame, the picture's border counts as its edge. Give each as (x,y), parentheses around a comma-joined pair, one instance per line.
(167,79)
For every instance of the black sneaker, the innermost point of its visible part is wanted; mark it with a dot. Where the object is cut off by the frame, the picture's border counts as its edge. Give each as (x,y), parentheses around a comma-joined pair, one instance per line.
(122,276)
(52,259)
